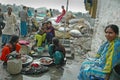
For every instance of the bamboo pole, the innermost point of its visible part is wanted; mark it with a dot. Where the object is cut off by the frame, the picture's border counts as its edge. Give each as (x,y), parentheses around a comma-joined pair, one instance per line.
(65,21)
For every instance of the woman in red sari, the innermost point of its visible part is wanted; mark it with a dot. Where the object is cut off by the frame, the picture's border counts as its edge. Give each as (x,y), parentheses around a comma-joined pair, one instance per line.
(13,45)
(61,15)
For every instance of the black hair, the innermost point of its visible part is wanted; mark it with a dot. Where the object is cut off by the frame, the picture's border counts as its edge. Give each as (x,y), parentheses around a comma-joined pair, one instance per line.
(55,41)
(62,6)
(14,39)
(35,10)
(24,7)
(47,10)
(114,28)
(9,7)
(43,24)
(49,22)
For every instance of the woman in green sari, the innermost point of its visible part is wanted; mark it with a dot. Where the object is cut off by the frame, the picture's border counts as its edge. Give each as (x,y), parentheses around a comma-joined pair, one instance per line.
(56,51)
(108,55)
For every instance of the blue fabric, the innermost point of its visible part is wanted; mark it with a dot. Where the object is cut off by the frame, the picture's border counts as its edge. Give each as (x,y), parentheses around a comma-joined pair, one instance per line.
(29,13)
(23,27)
(95,78)
(49,37)
(96,67)
(5,38)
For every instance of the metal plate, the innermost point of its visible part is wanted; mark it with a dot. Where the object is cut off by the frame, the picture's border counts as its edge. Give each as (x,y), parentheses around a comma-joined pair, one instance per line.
(46,60)
(29,59)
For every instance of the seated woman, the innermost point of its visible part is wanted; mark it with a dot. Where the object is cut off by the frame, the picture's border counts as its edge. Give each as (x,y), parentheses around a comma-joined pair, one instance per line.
(99,68)
(13,45)
(41,35)
(50,32)
(59,18)
(56,51)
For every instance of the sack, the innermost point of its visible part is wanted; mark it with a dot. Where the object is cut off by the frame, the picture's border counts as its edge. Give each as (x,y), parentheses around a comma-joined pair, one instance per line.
(75,33)
(63,29)
(14,66)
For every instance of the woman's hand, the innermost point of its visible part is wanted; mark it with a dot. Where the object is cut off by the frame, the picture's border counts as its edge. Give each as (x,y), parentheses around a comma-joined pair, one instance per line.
(18,55)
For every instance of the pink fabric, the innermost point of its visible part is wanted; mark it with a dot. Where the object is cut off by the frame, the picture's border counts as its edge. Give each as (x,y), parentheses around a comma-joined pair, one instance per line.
(63,12)
(58,19)
(60,16)
(24,42)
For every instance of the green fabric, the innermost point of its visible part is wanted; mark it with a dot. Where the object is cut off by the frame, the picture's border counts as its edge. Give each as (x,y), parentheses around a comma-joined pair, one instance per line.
(58,57)
(50,50)
(44,37)
(40,39)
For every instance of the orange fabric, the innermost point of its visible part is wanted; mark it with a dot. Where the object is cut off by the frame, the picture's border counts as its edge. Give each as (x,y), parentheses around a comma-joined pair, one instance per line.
(6,51)
(18,47)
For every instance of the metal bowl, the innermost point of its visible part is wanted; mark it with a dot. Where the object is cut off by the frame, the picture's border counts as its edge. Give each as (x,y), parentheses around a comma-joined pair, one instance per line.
(29,60)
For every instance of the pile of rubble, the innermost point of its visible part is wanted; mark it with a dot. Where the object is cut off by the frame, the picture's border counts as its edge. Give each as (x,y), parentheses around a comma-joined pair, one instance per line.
(76,29)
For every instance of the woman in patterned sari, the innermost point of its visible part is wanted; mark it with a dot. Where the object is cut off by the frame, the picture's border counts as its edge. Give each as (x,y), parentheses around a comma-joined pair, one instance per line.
(99,68)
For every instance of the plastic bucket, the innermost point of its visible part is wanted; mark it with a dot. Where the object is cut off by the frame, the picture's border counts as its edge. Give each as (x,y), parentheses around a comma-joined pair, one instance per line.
(40,49)
(115,75)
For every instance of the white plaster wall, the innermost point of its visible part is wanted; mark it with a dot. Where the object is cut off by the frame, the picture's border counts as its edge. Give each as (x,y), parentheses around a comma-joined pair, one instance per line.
(108,12)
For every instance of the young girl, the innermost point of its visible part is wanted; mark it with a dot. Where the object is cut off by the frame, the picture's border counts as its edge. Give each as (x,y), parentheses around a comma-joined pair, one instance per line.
(13,45)
(61,15)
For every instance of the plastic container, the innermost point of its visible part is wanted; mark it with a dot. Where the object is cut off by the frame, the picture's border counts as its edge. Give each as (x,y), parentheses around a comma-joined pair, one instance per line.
(40,49)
